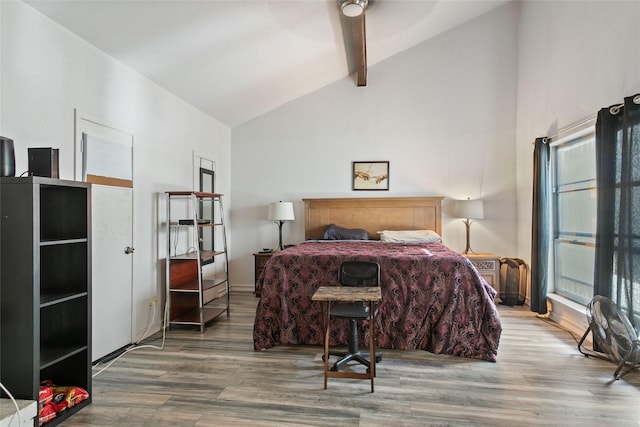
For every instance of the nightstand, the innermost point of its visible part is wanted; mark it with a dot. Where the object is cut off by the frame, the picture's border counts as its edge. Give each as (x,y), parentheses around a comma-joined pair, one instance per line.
(488,265)
(260,260)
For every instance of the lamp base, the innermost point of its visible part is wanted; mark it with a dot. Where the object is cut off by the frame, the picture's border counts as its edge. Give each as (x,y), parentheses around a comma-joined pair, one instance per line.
(467,249)
(280,224)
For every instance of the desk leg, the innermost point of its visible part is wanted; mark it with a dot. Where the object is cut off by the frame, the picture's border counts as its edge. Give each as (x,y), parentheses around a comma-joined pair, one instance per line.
(372,345)
(326,342)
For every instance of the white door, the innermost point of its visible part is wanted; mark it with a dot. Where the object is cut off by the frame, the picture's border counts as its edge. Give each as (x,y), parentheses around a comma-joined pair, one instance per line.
(104,157)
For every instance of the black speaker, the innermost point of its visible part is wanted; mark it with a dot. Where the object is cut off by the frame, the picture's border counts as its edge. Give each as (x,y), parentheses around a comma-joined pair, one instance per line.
(43,162)
(7,157)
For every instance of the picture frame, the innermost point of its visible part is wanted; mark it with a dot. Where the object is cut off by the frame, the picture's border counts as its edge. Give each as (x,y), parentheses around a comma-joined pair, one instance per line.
(370,176)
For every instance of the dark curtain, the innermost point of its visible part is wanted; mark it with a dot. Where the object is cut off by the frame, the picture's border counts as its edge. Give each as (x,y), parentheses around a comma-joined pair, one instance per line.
(540,238)
(617,258)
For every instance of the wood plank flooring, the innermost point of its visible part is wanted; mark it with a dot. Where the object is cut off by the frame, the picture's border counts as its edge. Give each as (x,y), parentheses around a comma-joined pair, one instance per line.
(217,379)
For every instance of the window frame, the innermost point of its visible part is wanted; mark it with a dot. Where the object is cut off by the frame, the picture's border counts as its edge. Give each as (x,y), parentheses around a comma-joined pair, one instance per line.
(572,135)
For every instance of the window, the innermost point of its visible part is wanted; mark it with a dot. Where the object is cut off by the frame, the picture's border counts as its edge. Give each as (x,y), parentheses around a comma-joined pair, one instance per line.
(573,180)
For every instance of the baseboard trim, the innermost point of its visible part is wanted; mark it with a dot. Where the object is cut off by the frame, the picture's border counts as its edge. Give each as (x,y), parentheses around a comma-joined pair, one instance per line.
(568,314)
(241,287)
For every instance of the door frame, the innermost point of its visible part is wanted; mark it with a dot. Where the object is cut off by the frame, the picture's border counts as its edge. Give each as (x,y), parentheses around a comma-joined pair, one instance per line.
(80,117)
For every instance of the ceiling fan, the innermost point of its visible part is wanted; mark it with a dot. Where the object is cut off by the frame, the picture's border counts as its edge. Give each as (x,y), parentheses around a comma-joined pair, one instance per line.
(353,25)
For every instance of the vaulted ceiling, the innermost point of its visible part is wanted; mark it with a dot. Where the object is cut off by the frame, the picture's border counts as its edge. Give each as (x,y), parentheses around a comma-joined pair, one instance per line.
(238,59)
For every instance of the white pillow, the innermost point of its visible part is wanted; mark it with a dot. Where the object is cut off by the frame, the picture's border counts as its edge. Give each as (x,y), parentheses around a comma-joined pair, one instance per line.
(409,236)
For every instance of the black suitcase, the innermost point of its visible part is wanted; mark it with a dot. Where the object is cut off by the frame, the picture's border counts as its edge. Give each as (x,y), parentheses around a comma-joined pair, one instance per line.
(514,278)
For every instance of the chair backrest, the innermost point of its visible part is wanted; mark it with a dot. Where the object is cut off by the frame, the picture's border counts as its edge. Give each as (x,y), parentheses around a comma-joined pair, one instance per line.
(359,273)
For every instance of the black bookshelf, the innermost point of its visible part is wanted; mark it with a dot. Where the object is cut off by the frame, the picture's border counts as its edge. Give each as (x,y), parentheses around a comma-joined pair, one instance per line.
(45,286)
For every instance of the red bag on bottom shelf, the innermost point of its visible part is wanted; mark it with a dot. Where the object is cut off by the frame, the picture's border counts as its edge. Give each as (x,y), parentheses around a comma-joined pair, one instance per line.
(46,413)
(55,399)
(45,410)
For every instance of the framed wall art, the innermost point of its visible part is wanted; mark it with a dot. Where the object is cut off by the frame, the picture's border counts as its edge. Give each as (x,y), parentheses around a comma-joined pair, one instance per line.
(370,176)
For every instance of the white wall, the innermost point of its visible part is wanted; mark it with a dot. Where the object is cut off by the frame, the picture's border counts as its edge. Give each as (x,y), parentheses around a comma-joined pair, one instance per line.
(443,114)
(47,72)
(575,58)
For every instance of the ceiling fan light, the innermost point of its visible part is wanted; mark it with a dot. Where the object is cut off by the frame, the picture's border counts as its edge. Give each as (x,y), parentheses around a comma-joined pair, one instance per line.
(353,8)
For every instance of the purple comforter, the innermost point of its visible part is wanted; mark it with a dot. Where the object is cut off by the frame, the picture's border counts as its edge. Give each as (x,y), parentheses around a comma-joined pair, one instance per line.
(432,298)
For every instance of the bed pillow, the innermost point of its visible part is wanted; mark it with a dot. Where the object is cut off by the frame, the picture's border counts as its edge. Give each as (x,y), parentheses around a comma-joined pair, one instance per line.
(410,236)
(335,232)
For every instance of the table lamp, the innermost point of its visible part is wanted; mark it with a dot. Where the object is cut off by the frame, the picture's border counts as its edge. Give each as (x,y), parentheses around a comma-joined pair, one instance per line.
(469,209)
(279,213)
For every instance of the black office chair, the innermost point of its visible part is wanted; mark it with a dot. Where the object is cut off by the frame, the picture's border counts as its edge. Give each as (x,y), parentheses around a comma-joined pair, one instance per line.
(355,273)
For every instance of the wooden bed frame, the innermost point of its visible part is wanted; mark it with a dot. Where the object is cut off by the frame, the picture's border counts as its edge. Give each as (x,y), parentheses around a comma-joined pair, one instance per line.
(372,214)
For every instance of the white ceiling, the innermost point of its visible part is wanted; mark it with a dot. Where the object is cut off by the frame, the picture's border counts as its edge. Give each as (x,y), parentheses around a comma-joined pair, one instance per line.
(238,59)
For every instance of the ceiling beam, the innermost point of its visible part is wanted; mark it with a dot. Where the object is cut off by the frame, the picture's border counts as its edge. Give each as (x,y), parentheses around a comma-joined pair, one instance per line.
(360,48)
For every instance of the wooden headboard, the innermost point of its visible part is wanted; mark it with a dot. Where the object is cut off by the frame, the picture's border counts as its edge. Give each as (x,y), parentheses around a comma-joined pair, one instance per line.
(372,214)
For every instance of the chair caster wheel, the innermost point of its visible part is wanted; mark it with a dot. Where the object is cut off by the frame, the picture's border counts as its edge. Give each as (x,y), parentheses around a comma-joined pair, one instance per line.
(378,359)
(334,369)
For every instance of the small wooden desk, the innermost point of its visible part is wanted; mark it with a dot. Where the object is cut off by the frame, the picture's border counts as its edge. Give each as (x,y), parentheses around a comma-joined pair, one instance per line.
(327,294)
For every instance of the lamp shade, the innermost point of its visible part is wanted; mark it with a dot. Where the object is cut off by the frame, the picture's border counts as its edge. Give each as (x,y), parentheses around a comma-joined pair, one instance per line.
(281,211)
(353,8)
(470,209)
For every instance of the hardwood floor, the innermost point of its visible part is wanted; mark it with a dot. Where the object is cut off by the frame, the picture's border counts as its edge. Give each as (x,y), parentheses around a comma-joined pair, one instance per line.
(217,379)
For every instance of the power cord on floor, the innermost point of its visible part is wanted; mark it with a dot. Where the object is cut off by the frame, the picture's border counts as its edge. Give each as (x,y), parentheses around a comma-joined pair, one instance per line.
(588,353)
(14,403)
(547,319)
(136,345)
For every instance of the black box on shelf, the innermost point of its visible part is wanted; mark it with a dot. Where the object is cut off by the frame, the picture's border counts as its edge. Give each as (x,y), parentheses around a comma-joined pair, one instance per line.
(43,162)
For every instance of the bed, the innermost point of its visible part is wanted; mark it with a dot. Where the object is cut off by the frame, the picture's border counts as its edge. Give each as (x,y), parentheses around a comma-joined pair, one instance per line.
(433,298)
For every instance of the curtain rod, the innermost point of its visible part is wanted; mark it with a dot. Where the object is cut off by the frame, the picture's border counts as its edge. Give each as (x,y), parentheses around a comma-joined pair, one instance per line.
(616,108)
(577,125)
(613,110)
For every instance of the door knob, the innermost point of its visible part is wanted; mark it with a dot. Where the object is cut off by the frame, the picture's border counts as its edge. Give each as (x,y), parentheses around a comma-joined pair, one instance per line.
(129,250)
